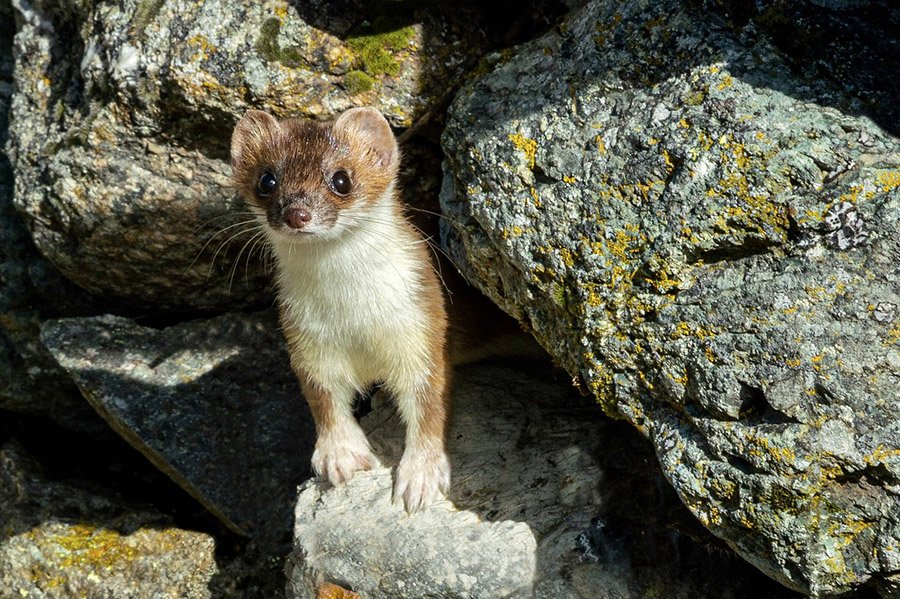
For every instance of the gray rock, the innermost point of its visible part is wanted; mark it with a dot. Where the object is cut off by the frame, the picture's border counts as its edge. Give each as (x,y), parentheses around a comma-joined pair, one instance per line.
(30,289)
(548,499)
(58,540)
(122,117)
(851,44)
(211,403)
(714,256)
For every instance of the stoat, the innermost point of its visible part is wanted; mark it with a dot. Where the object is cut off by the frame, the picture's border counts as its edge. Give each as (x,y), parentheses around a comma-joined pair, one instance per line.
(360,302)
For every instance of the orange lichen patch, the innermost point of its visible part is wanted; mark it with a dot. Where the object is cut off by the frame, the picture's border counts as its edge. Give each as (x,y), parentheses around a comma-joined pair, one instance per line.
(328,590)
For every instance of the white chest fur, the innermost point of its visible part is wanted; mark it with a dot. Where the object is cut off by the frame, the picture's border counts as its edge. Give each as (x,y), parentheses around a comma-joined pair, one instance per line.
(354,302)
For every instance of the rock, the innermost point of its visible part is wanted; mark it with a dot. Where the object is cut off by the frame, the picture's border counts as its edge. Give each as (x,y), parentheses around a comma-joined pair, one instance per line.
(122,117)
(59,540)
(30,290)
(849,43)
(213,404)
(713,254)
(548,499)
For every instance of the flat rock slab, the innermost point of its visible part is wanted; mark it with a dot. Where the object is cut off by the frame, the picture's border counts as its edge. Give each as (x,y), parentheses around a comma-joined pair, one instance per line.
(548,499)
(212,403)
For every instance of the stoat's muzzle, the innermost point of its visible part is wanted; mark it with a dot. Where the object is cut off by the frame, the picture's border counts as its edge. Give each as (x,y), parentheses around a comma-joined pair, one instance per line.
(307,213)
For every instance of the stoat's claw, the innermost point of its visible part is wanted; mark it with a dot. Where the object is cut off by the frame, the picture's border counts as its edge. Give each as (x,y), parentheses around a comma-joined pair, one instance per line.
(337,461)
(421,478)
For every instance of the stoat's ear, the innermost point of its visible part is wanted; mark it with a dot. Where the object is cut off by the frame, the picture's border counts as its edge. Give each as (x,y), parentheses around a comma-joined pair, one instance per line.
(250,136)
(367,128)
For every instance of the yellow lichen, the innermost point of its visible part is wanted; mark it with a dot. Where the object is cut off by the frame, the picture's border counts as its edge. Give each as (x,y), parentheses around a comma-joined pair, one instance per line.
(526,145)
(888,180)
(893,335)
(87,546)
(514,231)
(683,329)
(204,48)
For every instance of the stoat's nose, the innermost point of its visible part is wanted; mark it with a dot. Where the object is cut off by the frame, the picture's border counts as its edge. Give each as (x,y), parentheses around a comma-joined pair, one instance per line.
(296,217)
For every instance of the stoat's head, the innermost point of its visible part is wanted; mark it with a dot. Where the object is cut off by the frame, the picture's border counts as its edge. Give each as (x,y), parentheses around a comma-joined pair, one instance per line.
(313,180)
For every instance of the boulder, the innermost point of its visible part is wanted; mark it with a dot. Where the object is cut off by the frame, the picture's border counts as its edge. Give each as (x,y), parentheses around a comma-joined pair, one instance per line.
(31,289)
(59,540)
(548,499)
(212,403)
(707,241)
(122,117)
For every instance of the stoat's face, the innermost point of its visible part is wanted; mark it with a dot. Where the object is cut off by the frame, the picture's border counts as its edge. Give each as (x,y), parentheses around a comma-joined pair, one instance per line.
(312,180)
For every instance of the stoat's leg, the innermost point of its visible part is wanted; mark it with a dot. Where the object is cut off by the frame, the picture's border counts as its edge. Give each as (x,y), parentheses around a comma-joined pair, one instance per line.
(341,445)
(424,470)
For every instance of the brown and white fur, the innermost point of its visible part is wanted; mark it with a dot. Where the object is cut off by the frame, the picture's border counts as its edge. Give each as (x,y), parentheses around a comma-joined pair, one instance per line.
(359,300)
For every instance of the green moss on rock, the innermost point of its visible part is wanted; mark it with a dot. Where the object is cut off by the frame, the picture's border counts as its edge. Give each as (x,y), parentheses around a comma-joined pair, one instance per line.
(375,45)
(358,82)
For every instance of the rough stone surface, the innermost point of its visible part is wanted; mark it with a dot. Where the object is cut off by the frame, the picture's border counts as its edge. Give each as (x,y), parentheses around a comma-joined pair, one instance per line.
(549,499)
(851,44)
(211,403)
(59,540)
(122,117)
(698,235)
(30,289)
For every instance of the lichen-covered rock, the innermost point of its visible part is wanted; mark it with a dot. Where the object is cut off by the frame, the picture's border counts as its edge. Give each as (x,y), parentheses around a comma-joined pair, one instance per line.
(212,403)
(548,499)
(58,541)
(122,116)
(714,254)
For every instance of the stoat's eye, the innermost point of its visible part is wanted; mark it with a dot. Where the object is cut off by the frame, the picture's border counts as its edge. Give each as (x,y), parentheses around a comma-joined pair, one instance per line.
(267,184)
(340,183)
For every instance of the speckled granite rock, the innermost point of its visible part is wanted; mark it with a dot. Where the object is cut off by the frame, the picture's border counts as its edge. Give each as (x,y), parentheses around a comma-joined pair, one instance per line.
(30,289)
(713,251)
(60,541)
(122,116)
(548,499)
(211,403)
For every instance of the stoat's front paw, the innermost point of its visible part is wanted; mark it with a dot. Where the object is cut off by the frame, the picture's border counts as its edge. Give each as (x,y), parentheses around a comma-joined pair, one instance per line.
(421,477)
(338,457)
